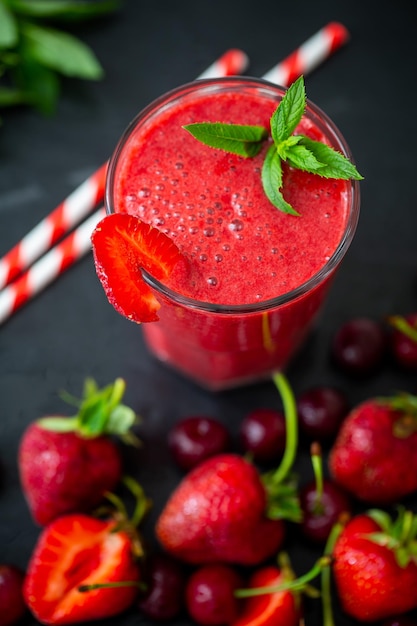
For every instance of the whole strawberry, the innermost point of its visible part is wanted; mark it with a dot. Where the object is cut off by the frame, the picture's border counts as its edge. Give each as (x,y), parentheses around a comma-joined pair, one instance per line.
(375,453)
(84,568)
(375,565)
(224,510)
(218,513)
(66,464)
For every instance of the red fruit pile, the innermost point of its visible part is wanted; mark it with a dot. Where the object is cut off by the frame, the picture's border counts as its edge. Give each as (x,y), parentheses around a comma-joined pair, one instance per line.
(223,530)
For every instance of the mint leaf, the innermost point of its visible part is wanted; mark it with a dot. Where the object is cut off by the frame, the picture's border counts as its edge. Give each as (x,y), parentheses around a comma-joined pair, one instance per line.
(63,9)
(335,164)
(39,84)
(298,151)
(8,28)
(236,138)
(61,52)
(303,159)
(272,181)
(288,115)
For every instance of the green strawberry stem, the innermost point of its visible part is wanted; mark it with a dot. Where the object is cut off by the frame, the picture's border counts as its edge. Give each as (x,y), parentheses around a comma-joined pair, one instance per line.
(294,584)
(291,424)
(119,513)
(100,412)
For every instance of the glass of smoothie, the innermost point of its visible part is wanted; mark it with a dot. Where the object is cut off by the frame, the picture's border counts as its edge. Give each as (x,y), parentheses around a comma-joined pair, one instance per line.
(256,277)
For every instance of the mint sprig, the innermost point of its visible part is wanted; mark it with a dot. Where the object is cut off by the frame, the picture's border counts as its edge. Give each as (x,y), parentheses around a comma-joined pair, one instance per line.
(298,151)
(34,53)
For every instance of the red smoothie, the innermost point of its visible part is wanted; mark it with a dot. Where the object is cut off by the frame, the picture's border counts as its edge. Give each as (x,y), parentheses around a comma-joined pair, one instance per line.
(256,277)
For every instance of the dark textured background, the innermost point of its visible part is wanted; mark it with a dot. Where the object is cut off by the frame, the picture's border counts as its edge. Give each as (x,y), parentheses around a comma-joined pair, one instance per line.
(70,332)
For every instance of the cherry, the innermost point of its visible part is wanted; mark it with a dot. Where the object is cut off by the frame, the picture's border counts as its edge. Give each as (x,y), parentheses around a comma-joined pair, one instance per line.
(321,510)
(358,346)
(263,434)
(11,597)
(321,411)
(210,594)
(194,439)
(402,620)
(165,580)
(403,340)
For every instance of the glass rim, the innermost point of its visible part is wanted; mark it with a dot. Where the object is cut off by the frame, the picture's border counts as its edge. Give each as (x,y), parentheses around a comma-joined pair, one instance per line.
(211,84)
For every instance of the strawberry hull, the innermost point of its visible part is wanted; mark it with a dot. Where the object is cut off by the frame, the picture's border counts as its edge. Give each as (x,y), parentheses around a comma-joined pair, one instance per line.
(255,278)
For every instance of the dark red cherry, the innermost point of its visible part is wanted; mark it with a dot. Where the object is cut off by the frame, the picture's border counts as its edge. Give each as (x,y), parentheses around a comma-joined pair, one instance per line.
(210,595)
(401,620)
(359,346)
(164,598)
(321,410)
(321,513)
(12,606)
(194,439)
(263,433)
(403,346)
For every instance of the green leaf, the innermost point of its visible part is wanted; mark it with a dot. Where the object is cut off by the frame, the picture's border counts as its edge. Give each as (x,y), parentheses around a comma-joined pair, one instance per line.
(8,27)
(40,84)
(289,112)
(272,181)
(243,140)
(63,9)
(303,159)
(335,164)
(10,96)
(61,52)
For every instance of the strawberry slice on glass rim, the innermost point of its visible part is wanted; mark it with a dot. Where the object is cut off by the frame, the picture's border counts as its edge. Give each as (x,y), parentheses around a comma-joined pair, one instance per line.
(123,246)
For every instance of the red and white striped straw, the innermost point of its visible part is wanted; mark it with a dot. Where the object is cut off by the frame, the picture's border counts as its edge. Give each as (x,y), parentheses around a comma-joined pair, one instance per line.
(53,227)
(46,269)
(62,219)
(233,62)
(309,55)
(82,201)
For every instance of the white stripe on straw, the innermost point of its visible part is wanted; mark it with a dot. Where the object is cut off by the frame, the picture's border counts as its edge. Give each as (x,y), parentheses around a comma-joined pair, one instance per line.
(66,215)
(309,55)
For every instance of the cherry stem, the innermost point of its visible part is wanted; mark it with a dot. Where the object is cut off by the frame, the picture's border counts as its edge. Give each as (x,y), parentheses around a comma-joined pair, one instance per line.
(291,585)
(326,594)
(291,425)
(316,462)
(112,585)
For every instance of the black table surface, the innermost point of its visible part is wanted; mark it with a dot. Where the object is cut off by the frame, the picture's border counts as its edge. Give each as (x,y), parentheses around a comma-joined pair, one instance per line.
(69,332)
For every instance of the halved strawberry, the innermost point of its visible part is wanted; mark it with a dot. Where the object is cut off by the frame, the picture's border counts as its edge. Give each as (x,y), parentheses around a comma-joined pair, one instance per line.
(123,245)
(270,609)
(77,550)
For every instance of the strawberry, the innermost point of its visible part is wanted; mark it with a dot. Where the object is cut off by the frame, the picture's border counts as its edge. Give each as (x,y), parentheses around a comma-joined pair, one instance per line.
(375,565)
(66,464)
(375,453)
(224,510)
(281,608)
(273,596)
(84,568)
(123,246)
